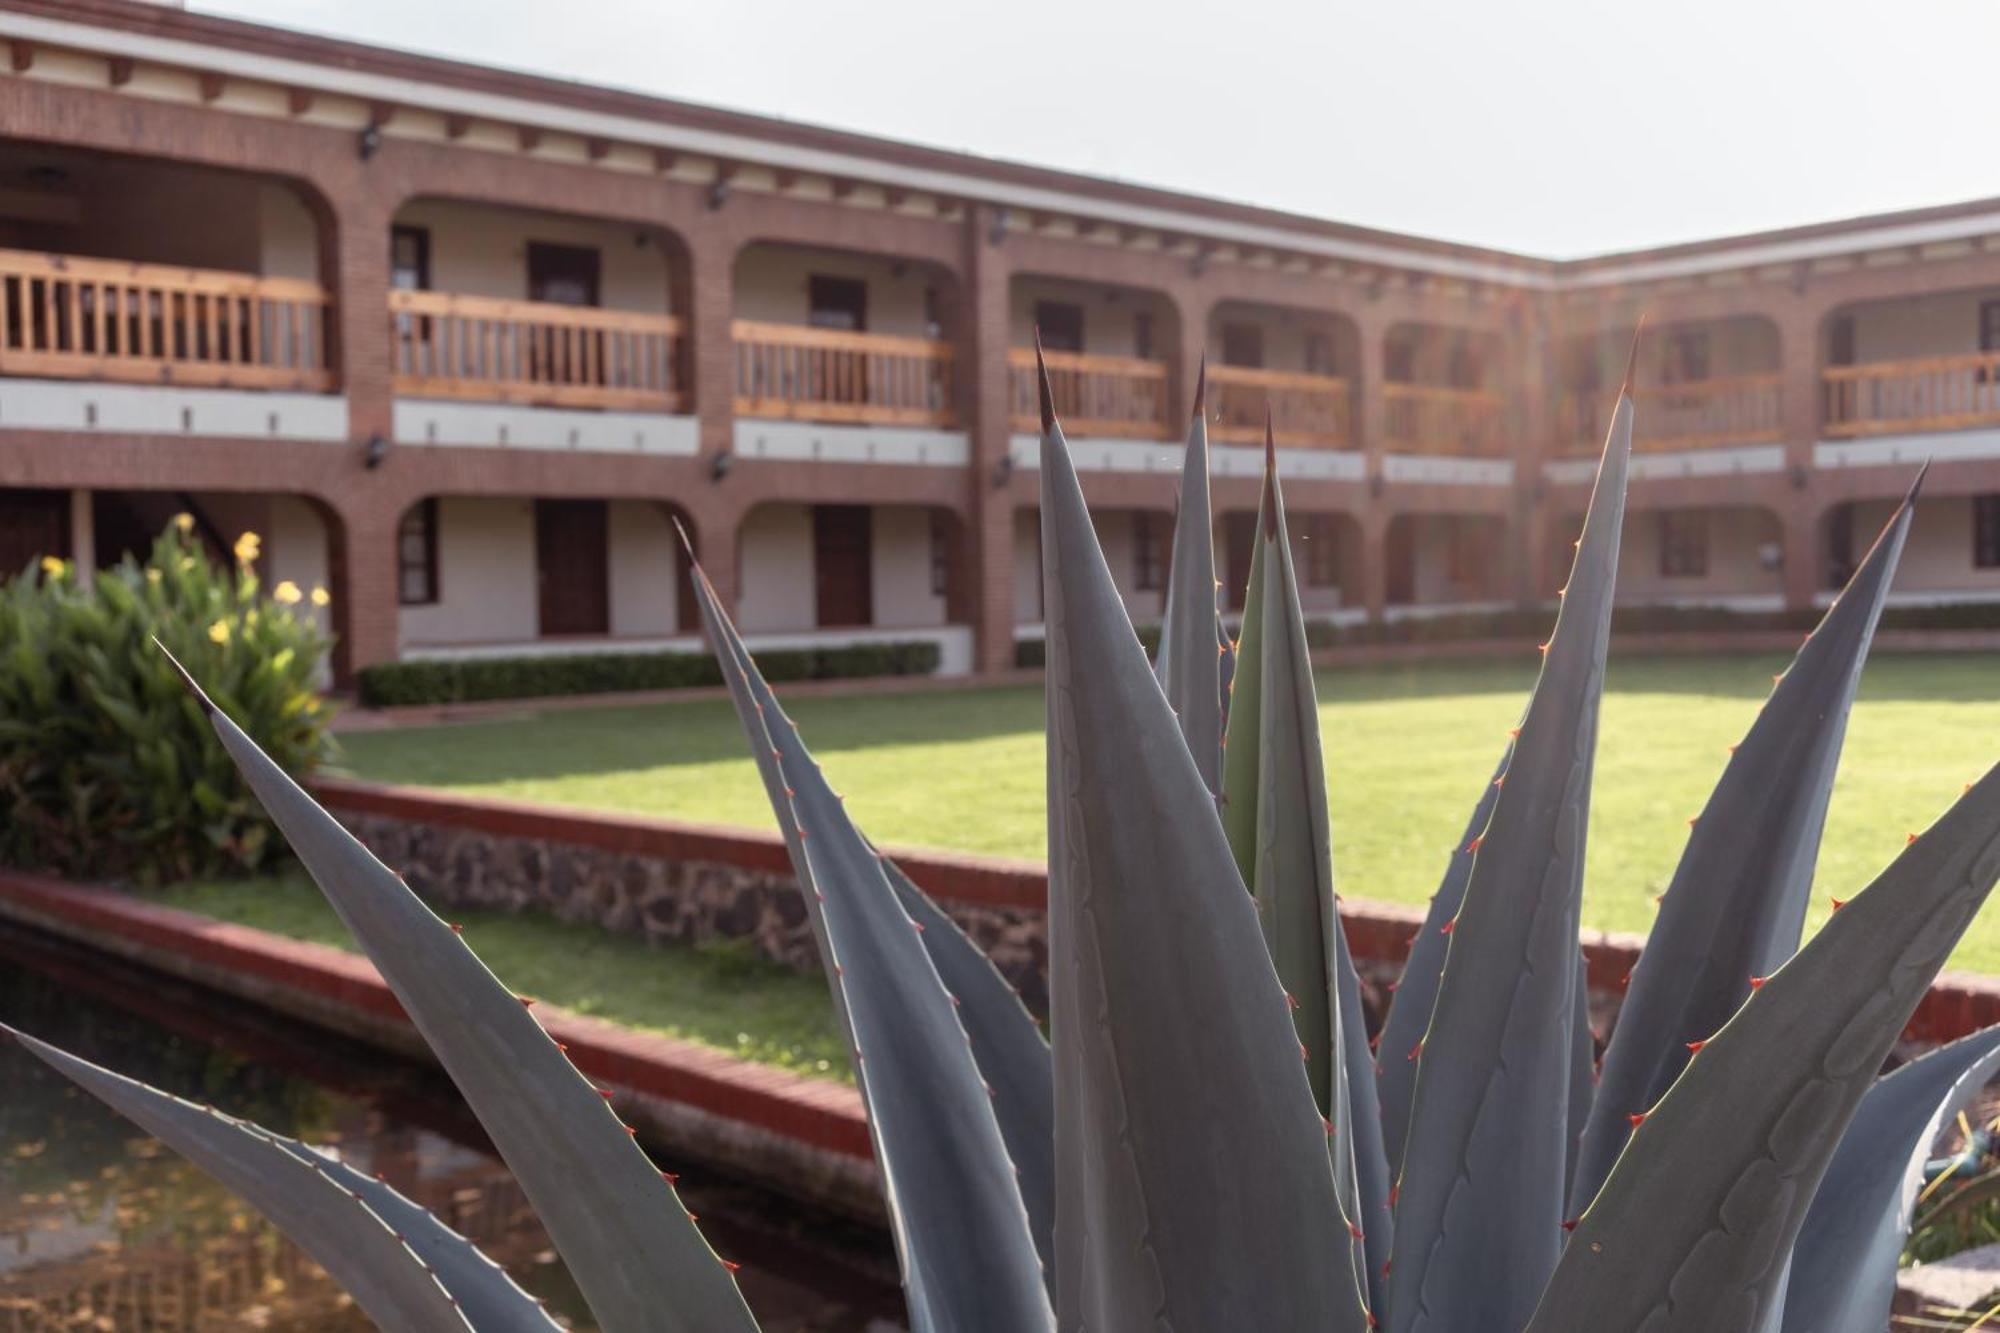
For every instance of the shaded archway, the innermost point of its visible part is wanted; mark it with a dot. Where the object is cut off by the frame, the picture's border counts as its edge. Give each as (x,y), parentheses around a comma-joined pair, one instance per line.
(1434,561)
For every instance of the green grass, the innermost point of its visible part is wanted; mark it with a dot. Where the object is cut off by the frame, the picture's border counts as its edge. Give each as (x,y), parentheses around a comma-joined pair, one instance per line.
(1407,748)
(723,995)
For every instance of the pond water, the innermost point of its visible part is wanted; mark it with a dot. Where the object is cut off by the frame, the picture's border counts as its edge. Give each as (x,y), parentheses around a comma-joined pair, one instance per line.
(102,1227)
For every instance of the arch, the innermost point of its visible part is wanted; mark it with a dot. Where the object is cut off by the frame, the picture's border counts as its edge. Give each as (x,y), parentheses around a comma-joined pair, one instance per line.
(1698,383)
(1298,363)
(1446,560)
(1329,555)
(1911,363)
(1113,353)
(805,566)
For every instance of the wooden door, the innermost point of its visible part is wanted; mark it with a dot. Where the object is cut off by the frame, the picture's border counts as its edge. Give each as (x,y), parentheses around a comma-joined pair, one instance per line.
(843,565)
(33,524)
(572,560)
(1400,557)
(1239,543)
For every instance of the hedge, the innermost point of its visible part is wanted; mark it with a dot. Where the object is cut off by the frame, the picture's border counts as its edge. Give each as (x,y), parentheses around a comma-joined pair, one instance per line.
(1523,623)
(388,684)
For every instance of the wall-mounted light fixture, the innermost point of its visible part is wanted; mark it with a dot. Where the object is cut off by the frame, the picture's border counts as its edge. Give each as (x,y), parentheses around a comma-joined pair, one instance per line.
(375,452)
(718,194)
(1377,483)
(1003,471)
(718,466)
(369,142)
(998,231)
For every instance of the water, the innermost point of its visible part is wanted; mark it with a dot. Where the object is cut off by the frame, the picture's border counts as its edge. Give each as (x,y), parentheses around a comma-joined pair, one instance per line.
(104,1228)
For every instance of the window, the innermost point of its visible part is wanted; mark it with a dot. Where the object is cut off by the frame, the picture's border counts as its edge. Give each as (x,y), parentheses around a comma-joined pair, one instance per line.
(1986,531)
(1142,334)
(410,258)
(837,303)
(1060,324)
(1319,357)
(416,554)
(1148,569)
(1687,357)
(1683,544)
(1322,552)
(1243,345)
(940,555)
(562,274)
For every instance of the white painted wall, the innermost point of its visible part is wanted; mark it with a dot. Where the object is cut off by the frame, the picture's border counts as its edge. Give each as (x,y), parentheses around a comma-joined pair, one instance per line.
(484,252)
(771,287)
(1939,325)
(901,572)
(1937,557)
(775,589)
(1736,568)
(286,232)
(1107,315)
(486,575)
(644,550)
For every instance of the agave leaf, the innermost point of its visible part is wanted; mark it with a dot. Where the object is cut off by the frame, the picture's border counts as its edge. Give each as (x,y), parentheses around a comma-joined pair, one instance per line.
(961,1225)
(1193,1188)
(1693,1228)
(1844,1265)
(1480,1203)
(1737,903)
(1009,1047)
(1415,994)
(1189,661)
(1275,814)
(404,1268)
(1582,1070)
(629,1243)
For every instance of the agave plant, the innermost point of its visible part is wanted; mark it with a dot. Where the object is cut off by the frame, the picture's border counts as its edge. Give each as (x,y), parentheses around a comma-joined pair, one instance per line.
(1204,1140)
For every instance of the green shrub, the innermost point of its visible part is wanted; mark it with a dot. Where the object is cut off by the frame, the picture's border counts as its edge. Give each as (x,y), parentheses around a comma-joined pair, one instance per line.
(107,770)
(388,684)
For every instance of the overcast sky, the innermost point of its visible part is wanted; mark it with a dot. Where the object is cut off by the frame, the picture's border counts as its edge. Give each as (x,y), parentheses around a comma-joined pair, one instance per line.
(1555,127)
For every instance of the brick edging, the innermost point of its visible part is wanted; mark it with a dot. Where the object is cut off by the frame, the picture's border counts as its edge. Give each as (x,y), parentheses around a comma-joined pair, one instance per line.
(818,1114)
(1958,1003)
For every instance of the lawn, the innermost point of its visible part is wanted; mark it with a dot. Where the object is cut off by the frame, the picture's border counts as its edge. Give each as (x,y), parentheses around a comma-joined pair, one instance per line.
(1408,750)
(723,995)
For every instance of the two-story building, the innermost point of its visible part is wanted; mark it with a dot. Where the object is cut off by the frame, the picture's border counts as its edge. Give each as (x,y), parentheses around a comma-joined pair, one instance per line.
(464,345)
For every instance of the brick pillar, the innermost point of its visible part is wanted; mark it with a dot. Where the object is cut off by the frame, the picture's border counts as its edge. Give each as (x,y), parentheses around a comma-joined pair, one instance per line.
(1375,562)
(1798,354)
(711,306)
(1529,435)
(354,260)
(718,545)
(1191,311)
(983,340)
(1371,429)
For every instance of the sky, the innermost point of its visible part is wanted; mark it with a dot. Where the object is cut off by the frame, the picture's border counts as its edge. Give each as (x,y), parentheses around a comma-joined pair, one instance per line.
(1557,128)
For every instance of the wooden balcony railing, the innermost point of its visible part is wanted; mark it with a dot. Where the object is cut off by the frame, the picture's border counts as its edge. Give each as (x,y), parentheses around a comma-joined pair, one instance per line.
(1702,414)
(1428,419)
(104,319)
(1931,393)
(807,374)
(1307,411)
(1118,396)
(444,345)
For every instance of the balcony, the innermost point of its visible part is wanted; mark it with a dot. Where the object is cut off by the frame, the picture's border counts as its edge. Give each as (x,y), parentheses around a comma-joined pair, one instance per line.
(1104,396)
(1926,394)
(65,317)
(1700,414)
(1427,419)
(445,345)
(798,373)
(1306,411)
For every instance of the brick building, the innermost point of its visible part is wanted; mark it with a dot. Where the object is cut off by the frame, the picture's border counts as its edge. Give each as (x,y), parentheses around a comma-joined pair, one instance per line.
(463,344)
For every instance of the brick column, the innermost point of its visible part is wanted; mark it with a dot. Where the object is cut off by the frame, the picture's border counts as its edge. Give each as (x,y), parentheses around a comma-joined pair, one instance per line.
(1371,330)
(1375,562)
(1530,437)
(1798,353)
(354,259)
(982,345)
(711,307)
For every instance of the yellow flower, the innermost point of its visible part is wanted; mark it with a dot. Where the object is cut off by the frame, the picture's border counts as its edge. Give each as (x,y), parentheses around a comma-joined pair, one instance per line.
(247,547)
(185,522)
(219,632)
(286,593)
(320,597)
(52,566)
(152,576)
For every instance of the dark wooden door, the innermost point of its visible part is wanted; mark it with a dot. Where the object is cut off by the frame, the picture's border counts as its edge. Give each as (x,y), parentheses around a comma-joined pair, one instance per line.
(563,274)
(1400,558)
(572,566)
(1239,543)
(33,524)
(843,565)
